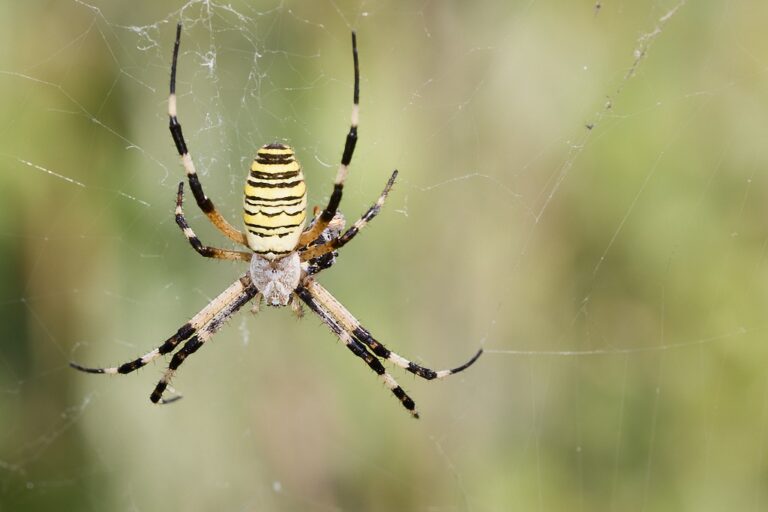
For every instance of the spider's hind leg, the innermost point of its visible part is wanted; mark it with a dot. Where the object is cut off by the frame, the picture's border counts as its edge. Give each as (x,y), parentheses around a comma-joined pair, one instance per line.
(194,241)
(203,202)
(329,212)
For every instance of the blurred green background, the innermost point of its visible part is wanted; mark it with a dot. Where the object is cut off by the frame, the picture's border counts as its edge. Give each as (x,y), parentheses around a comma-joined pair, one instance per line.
(583,192)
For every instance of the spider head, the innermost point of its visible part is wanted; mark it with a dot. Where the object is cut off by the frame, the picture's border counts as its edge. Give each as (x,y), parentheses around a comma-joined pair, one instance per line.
(276,279)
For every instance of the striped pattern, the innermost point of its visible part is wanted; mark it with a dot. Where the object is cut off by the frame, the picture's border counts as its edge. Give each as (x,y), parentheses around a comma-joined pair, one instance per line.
(197,341)
(275,202)
(362,335)
(329,212)
(203,202)
(318,249)
(328,259)
(358,349)
(194,241)
(185,332)
(364,345)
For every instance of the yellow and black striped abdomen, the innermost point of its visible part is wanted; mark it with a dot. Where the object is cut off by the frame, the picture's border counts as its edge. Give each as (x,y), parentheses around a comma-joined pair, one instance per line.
(275,202)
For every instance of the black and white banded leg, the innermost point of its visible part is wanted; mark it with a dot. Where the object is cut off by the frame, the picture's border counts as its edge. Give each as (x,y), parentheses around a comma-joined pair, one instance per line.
(315,251)
(358,349)
(205,204)
(197,245)
(197,340)
(346,158)
(350,324)
(328,259)
(185,331)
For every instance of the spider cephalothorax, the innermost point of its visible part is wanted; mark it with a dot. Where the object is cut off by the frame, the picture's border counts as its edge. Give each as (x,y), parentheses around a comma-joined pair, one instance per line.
(276,279)
(283,255)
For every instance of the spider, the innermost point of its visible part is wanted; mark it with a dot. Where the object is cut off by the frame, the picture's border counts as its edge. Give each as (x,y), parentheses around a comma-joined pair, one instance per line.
(284,255)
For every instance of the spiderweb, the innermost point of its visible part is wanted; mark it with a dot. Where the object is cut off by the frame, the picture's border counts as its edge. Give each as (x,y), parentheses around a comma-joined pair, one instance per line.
(581,193)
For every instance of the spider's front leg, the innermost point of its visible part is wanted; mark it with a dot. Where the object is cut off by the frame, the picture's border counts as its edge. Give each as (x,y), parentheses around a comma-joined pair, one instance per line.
(185,332)
(197,341)
(357,348)
(361,334)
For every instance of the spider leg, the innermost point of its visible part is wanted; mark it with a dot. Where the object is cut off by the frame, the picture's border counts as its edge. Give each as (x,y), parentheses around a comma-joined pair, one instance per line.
(205,204)
(358,349)
(197,341)
(315,251)
(361,334)
(296,307)
(185,331)
(327,260)
(197,245)
(341,175)
(256,306)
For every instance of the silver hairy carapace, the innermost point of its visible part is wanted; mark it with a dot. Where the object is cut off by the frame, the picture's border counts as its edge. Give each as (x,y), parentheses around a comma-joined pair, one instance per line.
(276,280)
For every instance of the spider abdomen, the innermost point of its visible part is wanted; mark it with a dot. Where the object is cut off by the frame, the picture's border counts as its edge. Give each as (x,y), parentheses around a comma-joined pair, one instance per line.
(275,202)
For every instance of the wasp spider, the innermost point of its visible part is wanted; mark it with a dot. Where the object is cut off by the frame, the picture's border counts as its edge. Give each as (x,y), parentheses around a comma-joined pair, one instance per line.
(284,255)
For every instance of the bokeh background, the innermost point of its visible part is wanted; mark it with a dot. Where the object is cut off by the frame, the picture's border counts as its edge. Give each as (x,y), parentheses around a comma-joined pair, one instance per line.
(583,192)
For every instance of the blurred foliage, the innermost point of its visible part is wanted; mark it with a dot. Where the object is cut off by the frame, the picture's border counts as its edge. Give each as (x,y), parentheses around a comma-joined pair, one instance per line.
(582,191)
